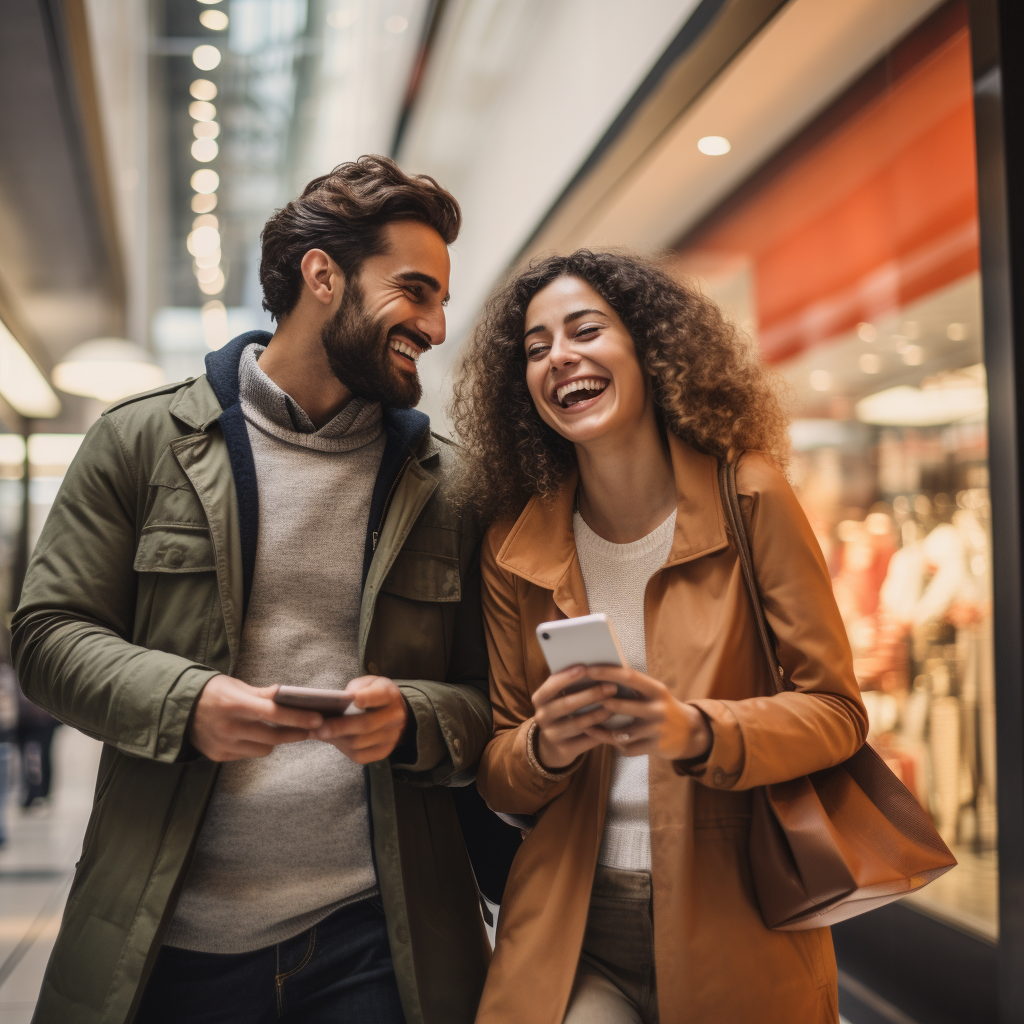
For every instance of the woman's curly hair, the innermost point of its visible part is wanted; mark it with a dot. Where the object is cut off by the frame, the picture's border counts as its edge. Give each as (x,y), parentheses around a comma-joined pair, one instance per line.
(709,385)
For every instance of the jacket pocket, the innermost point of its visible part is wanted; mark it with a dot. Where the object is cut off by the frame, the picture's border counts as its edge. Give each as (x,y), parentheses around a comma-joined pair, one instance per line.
(174,547)
(423,576)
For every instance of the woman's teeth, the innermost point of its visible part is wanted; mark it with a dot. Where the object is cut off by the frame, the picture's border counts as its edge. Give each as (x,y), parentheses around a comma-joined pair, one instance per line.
(592,386)
(405,348)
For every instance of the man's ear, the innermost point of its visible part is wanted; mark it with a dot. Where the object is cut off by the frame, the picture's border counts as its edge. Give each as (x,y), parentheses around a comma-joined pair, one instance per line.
(323,277)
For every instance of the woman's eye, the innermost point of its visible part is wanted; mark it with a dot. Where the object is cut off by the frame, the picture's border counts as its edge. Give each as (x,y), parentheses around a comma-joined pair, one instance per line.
(536,350)
(587,331)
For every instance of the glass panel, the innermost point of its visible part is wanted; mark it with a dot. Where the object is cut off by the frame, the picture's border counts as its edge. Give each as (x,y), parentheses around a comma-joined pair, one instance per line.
(852,260)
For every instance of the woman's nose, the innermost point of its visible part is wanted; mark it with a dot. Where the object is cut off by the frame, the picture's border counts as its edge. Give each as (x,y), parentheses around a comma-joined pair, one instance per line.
(563,354)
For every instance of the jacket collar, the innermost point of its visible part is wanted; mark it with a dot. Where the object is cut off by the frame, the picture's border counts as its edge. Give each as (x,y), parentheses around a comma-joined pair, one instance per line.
(199,406)
(541,547)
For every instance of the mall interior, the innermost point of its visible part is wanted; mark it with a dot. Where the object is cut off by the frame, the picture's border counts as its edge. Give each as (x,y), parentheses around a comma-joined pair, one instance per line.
(843,178)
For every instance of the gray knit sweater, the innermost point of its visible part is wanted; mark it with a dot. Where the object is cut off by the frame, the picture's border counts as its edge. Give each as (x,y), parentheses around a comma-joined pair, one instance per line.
(286,840)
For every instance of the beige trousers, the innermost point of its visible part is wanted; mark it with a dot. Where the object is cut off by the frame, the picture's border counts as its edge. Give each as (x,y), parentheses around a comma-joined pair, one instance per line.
(615,981)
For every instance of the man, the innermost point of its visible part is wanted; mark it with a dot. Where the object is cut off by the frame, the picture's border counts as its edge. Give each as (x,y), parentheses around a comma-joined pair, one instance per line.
(284,519)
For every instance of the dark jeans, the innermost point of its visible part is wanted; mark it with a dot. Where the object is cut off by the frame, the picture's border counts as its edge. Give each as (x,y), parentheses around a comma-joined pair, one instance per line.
(337,972)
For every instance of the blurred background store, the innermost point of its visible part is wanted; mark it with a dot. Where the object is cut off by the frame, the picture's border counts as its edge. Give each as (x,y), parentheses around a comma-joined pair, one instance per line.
(814,165)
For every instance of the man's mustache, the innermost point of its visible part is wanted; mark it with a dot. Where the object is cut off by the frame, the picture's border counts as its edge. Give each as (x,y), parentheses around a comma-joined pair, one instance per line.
(419,340)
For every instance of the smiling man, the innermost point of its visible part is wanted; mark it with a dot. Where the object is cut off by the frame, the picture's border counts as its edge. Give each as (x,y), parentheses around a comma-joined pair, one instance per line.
(283,520)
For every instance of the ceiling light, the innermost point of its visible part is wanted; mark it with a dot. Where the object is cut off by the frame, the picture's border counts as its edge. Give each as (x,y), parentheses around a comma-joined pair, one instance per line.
(204,275)
(201,110)
(203,241)
(957,332)
(206,57)
(53,449)
(203,89)
(209,1)
(922,407)
(207,220)
(214,287)
(22,382)
(870,363)
(912,330)
(204,150)
(206,129)
(215,324)
(205,180)
(913,355)
(714,145)
(210,260)
(342,19)
(396,23)
(867,332)
(821,380)
(107,369)
(204,203)
(216,21)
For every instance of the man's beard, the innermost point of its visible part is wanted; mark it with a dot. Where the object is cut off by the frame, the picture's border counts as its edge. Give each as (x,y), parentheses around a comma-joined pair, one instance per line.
(359,355)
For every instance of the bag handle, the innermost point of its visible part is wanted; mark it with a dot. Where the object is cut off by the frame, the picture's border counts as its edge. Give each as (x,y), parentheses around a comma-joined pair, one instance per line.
(734,520)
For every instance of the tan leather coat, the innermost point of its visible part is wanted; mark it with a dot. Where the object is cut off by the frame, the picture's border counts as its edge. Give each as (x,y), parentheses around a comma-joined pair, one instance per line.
(716,962)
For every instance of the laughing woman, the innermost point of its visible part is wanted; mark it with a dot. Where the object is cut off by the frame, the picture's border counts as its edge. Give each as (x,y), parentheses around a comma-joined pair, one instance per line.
(596,399)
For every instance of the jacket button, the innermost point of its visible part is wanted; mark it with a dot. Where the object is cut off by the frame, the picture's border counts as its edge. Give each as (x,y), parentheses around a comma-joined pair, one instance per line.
(718,776)
(402,933)
(174,557)
(456,745)
(372,669)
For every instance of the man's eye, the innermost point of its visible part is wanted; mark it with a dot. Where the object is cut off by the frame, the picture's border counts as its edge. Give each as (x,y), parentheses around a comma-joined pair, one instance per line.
(416,293)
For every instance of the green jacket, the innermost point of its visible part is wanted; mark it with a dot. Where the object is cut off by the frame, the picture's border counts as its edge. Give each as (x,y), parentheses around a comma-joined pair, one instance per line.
(135,598)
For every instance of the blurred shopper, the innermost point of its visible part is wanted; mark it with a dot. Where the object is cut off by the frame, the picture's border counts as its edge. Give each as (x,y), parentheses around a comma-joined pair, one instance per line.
(285,518)
(8,735)
(598,395)
(35,745)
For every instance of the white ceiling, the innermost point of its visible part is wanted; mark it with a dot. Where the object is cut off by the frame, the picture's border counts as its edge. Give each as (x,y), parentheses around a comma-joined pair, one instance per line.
(515,97)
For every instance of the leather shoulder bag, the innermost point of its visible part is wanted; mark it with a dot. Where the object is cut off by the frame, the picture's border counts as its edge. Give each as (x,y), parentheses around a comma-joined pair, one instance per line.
(845,840)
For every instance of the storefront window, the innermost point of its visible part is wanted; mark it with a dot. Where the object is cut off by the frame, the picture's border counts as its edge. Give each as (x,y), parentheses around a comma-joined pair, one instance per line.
(852,260)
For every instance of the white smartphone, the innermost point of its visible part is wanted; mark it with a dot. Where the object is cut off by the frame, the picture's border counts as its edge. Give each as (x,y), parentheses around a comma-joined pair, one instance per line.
(585,640)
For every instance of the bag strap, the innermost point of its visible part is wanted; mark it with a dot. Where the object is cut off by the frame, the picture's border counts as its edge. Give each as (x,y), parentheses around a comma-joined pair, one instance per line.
(734,520)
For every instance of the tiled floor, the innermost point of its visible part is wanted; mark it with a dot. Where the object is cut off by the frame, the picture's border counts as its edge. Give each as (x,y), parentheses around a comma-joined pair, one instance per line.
(35,872)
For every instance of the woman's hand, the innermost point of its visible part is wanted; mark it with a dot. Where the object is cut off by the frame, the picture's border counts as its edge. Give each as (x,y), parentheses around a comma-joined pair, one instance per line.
(561,738)
(665,726)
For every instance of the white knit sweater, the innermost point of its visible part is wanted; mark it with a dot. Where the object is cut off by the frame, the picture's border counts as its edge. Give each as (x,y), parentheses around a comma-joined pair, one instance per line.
(616,577)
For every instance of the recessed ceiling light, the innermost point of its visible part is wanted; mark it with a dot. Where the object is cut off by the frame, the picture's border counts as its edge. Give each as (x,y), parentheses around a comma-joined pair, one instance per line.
(200,110)
(204,203)
(870,363)
(214,287)
(205,180)
(207,220)
(206,129)
(867,332)
(206,57)
(714,145)
(957,332)
(821,380)
(203,89)
(216,21)
(913,355)
(203,241)
(204,150)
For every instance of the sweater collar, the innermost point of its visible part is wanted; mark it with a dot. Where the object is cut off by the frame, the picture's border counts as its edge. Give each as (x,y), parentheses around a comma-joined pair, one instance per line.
(541,547)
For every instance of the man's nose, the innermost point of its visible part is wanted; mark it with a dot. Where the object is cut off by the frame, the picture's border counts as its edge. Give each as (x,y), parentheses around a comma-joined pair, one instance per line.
(432,326)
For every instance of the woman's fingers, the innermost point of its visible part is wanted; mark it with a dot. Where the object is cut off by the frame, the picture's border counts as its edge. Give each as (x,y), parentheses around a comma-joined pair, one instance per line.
(572,726)
(648,710)
(571,703)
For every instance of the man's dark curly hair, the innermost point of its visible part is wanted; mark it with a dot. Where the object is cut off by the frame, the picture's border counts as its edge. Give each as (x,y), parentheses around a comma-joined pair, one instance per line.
(709,384)
(344,213)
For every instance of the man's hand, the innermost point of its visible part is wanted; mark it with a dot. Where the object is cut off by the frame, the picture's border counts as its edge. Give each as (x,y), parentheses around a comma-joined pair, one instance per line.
(233,720)
(372,736)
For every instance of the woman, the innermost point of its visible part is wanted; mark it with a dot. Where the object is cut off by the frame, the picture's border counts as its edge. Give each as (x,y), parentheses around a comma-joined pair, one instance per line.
(597,397)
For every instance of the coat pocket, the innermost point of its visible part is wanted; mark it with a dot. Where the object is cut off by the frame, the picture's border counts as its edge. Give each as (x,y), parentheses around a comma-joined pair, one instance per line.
(174,547)
(423,576)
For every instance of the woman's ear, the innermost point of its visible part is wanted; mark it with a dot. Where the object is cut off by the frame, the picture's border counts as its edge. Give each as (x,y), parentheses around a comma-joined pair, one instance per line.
(323,277)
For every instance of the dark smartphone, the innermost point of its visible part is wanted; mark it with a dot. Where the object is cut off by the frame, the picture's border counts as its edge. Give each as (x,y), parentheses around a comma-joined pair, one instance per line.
(330,703)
